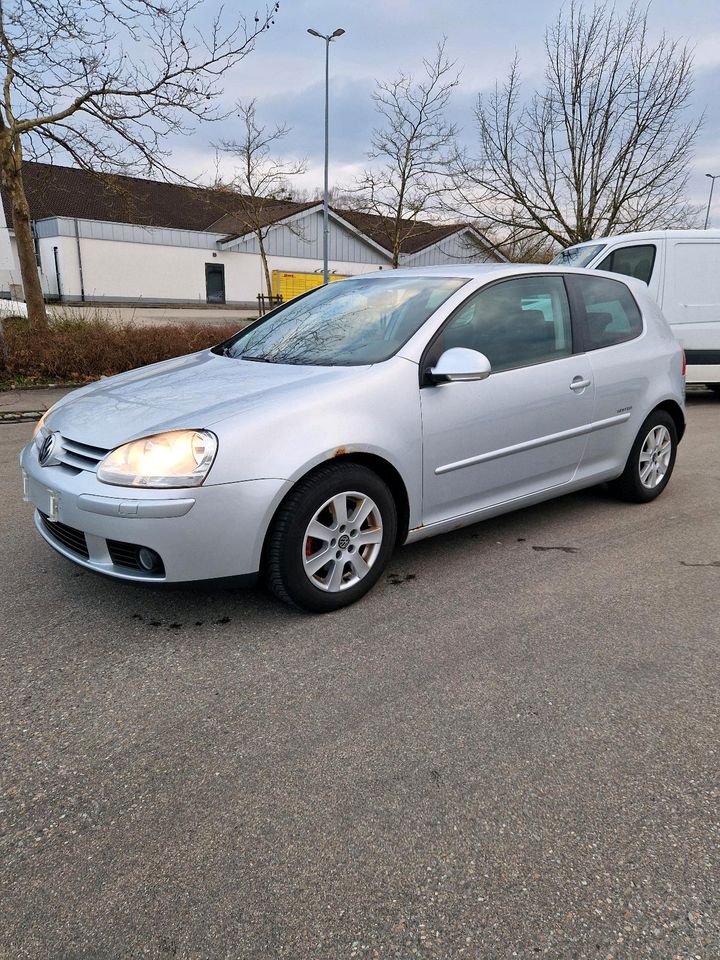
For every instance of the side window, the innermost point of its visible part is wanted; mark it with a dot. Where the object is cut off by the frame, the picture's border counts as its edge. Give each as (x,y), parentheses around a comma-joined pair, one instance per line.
(635,261)
(607,311)
(514,323)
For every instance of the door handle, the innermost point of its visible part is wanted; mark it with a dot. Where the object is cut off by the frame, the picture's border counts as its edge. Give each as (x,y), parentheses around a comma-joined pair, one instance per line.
(579,383)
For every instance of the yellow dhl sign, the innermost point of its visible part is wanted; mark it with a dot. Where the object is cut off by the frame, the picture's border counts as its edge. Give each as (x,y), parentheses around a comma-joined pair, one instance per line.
(289,285)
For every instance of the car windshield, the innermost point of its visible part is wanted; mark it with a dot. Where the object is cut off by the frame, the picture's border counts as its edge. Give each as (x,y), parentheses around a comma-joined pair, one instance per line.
(346,323)
(578,256)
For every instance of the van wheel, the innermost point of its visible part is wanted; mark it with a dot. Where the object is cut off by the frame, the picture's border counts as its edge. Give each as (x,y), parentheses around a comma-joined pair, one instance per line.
(331,538)
(715,387)
(651,461)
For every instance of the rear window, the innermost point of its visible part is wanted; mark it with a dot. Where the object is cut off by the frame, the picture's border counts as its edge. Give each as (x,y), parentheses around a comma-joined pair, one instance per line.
(607,311)
(635,261)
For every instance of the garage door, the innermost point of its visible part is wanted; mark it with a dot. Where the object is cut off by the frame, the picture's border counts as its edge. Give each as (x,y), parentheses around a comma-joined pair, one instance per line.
(289,285)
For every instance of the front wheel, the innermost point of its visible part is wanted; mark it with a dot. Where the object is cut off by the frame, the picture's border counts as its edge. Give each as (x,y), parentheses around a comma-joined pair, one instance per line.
(651,461)
(332,538)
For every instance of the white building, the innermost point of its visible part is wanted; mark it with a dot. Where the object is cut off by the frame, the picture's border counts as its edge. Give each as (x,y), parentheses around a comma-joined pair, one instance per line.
(104,238)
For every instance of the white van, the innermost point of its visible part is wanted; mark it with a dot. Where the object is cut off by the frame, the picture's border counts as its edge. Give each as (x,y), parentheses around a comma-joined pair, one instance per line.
(682,270)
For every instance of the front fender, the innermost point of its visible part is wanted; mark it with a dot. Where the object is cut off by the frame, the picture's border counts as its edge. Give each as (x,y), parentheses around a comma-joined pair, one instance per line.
(375,413)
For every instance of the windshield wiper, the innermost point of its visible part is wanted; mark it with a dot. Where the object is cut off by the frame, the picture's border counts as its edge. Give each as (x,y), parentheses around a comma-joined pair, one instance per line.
(246,356)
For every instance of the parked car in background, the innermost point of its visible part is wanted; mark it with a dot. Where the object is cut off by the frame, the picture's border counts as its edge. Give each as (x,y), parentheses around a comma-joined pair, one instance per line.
(682,271)
(371,412)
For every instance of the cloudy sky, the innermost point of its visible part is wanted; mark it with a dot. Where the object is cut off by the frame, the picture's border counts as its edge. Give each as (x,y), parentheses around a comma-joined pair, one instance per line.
(285,73)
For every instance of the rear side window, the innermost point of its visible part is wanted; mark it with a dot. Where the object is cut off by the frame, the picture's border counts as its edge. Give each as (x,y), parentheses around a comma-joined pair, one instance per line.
(515,323)
(636,261)
(606,311)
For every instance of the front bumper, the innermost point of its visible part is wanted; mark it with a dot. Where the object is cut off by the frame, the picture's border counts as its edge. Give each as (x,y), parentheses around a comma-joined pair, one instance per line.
(200,533)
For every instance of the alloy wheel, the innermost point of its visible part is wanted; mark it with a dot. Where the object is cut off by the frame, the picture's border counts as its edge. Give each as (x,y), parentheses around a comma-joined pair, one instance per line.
(655,456)
(342,541)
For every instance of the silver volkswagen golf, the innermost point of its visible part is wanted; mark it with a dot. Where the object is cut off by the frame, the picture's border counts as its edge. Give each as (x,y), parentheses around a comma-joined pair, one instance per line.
(369,413)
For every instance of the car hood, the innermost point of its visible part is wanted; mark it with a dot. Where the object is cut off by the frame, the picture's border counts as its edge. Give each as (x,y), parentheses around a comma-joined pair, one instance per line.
(194,391)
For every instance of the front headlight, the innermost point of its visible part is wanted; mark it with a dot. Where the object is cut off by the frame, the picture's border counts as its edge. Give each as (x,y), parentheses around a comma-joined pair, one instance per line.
(179,458)
(39,425)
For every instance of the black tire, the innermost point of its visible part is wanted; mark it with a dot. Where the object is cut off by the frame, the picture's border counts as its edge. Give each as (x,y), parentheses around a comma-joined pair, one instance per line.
(715,387)
(628,485)
(287,543)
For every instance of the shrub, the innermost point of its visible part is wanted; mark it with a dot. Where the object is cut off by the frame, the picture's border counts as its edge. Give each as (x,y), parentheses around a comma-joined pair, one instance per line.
(77,349)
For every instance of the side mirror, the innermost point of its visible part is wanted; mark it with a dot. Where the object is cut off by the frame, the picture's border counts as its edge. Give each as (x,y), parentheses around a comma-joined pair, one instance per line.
(459,363)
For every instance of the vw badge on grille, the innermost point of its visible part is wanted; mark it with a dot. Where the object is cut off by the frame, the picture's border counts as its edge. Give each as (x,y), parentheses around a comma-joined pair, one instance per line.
(46,450)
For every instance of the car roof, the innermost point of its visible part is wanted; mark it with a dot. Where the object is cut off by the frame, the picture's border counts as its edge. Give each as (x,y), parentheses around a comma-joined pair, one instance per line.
(488,271)
(471,271)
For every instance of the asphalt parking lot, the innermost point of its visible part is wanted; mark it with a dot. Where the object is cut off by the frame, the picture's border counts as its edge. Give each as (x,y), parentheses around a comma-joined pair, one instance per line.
(509,749)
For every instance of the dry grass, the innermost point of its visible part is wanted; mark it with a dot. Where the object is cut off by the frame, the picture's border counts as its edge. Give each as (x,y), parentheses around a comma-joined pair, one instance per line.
(77,350)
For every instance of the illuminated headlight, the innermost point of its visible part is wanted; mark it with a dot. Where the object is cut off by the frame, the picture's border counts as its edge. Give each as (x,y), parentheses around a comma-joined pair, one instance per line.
(179,458)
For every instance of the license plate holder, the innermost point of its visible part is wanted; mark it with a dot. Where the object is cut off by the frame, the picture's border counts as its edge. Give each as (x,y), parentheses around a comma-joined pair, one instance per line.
(46,499)
(54,506)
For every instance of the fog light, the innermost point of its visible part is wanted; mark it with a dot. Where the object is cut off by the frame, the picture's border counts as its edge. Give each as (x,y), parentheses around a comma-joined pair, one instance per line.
(149,560)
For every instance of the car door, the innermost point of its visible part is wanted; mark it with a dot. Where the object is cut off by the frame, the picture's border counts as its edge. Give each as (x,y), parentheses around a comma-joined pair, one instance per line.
(609,324)
(524,428)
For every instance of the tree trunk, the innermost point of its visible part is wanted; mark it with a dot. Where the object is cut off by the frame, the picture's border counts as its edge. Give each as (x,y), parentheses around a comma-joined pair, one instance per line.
(4,359)
(266,268)
(12,180)
(397,243)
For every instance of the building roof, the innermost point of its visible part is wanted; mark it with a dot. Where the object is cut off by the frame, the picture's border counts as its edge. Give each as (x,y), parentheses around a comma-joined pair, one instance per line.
(415,235)
(55,191)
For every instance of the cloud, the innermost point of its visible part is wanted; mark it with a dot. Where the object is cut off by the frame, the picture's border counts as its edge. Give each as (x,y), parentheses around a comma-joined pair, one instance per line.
(707,52)
(285,73)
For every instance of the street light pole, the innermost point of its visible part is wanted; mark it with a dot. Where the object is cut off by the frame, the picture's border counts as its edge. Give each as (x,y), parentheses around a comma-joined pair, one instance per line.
(713,178)
(326,225)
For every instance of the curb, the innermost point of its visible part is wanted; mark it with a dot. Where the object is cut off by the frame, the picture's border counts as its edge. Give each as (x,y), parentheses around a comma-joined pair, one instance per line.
(20,416)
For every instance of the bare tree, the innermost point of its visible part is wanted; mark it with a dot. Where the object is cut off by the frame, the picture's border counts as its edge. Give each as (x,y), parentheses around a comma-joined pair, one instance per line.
(523,247)
(603,147)
(260,178)
(102,83)
(412,149)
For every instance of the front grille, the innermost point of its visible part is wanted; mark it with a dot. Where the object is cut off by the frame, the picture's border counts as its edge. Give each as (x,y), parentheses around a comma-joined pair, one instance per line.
(80,456)
(126,555)
(68,537)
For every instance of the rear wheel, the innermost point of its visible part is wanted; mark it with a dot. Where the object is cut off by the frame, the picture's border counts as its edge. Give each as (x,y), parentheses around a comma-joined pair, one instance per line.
(651,461)
(715,387)
(332,538)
